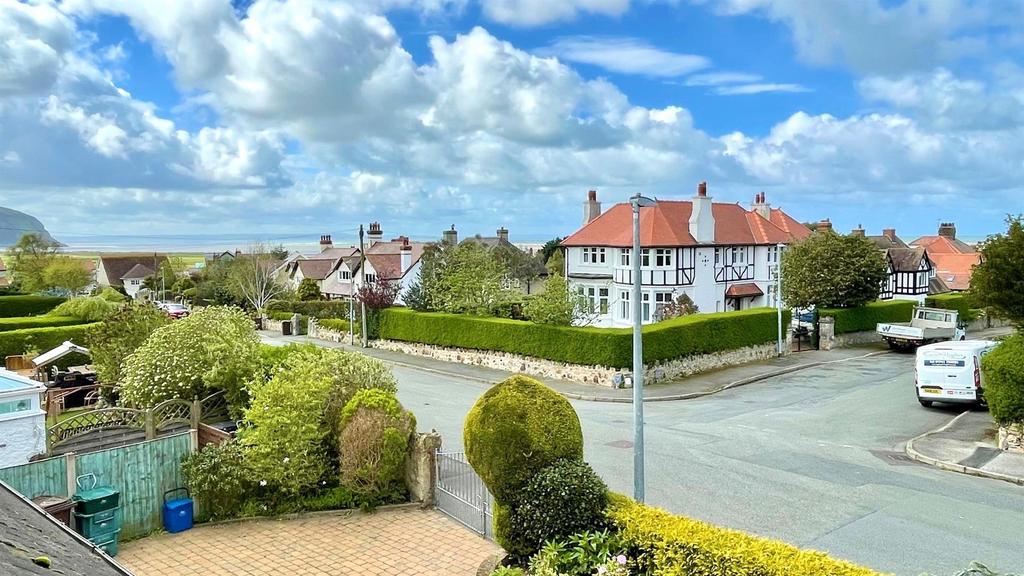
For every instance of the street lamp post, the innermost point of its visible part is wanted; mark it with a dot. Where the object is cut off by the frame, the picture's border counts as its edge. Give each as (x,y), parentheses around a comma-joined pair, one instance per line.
(638,202)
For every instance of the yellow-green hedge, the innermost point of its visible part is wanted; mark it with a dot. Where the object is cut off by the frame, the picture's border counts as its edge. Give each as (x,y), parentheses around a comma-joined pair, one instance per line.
(612,347)
(27,305)
(23,322)
(679,546)
(15,342)
(954,301)
(865,318)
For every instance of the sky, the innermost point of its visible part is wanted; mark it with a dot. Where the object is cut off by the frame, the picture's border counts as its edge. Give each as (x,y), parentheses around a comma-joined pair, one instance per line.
(288,119)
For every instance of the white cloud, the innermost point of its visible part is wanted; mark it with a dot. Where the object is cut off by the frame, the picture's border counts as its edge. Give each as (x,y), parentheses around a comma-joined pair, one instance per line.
(540,12)
(759,88)
(626,56)
(34,39)
(719,78)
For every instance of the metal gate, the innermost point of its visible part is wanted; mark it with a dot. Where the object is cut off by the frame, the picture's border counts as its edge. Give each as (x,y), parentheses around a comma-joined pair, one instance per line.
(461,494)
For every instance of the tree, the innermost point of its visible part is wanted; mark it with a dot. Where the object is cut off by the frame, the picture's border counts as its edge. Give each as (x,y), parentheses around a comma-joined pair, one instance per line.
(279,252)
(998,281)
(165,277)
(111,342)
(521,267)
(550,248)
(378,295)
(66,275)
(28,260)
(682,306)
(253,279)
(556,263)
(471,282)
(308,290)
(555,305)
(832,271)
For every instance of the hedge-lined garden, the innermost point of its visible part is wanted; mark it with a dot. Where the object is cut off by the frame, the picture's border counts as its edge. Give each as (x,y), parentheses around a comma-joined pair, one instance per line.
(865,318)
(314,308)
(611,347)
(13,342)
(22,305)
(24,322)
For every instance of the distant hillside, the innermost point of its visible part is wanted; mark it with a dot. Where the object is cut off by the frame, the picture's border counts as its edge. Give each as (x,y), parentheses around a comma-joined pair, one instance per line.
(13,224)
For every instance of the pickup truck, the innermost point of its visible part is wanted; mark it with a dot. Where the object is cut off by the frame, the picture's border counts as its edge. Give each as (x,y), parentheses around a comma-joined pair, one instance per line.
(927,325)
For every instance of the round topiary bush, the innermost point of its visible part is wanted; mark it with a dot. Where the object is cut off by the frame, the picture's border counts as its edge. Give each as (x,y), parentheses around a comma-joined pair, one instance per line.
(1004,381)
(563,499)
(373,445)
(517,428)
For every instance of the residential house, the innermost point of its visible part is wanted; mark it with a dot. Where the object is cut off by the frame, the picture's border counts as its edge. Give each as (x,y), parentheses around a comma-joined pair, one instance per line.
(317,267)
(953,259)
(124,271)
(720,255)
(397,260)
(501,242)
(910,273)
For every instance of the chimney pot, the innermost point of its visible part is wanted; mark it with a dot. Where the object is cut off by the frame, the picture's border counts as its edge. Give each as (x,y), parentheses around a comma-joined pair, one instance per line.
(702,189)
(592,195)
(947,230)
(450,237)
(503,234)
(858,231)
(889,233)
(825,224)
(591,208)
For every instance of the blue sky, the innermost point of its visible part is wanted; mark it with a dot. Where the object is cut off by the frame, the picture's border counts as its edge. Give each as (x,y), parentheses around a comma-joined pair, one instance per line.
(274,118)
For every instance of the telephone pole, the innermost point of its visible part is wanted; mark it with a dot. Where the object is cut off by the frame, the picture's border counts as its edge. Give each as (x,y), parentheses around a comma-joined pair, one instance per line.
(362,282)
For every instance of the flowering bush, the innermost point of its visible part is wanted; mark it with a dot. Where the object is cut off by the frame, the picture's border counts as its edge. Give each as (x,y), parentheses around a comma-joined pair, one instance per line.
(583,554)
(212,349)
(217,479)
(293,421)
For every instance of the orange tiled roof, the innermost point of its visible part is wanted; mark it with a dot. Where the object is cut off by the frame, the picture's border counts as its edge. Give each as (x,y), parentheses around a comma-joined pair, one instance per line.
(667,224)
(955,269)
(943,245)
(743,290)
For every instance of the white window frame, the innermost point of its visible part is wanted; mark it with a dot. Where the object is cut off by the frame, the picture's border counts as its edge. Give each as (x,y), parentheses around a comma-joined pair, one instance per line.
(645,257)
(663,257)
(624,306)
(624,255)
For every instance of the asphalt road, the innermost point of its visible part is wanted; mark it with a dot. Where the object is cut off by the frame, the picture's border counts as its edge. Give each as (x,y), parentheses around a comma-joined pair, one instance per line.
(814,458)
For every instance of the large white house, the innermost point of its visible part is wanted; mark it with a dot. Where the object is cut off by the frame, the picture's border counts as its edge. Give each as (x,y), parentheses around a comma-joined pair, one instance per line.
(720,255)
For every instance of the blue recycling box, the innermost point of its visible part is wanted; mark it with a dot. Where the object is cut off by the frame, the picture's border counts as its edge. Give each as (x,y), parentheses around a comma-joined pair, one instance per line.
(178,512)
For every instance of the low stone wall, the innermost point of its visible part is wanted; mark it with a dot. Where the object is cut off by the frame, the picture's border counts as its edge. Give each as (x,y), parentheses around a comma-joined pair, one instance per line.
(599,375)
(272,325)
(1011,438)
(315,330)
(828,341)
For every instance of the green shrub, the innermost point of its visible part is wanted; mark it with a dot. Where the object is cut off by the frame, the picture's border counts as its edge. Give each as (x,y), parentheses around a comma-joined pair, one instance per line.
(25,322)
(111,342)
(507,571)
(516,429)
(338,325)
(13,306)
(612,347)
(217,479)
(864,318)
(957,301)
(89,308)
(292,424)
(112,295)
(1004,380)
(14,342)
(373,445)
(315,308)
(214,348)
(563,499)
(583,554)
(669,544)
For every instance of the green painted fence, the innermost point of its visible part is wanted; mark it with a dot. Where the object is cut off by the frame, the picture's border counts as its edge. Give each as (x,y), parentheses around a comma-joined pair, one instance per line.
(141,472)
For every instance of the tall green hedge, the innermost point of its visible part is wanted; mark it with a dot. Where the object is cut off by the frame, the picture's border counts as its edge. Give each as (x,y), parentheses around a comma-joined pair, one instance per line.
(1004,381)
(23,322)
(864,318)
(612,347)
(315,308)
(954,301)
(31,305)
(15,342)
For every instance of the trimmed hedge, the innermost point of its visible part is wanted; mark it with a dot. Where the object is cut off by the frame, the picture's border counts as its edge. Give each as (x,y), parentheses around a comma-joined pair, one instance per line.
(14,306)
(865,318)
(612,347)
(337,324)
(15,342)
(677,545)
(314,308)
(958,302)
(1004,381)
(21,323)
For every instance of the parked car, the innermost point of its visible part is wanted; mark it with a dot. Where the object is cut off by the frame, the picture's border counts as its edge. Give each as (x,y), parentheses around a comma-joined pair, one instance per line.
(176,310)
(951,372)
(926,325)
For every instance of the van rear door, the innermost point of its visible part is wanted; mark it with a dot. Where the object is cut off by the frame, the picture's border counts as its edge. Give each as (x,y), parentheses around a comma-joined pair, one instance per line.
(947,374)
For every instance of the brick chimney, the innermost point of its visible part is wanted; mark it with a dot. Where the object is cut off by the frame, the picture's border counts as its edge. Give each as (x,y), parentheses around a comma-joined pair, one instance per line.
(761,206)
(858,231)
(825,224)
(502,234)
(405,256)
(325,242)
(702,220)
(591,208)
(889,233)
(375,234)
(947,230)
(450,237)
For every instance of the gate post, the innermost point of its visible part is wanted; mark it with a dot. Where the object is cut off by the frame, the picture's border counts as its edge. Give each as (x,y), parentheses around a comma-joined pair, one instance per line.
(196,413)
(150,425)
(71,473)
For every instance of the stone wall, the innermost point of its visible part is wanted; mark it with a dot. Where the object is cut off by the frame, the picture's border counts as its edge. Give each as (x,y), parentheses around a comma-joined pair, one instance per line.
(421,467)
(872,337)
(600,375)
(319,332)
(1011,438)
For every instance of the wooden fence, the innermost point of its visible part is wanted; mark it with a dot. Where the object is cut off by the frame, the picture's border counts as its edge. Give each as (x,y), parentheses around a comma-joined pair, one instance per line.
(142,472)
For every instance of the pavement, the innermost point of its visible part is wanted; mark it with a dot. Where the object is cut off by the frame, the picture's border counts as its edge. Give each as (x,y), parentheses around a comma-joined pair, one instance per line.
(406,540)
(967,445)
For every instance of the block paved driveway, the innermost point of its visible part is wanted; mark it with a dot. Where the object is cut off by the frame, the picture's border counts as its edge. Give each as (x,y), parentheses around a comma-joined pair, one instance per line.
(395,541)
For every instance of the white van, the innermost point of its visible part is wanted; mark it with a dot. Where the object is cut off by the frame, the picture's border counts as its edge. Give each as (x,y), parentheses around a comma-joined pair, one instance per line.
(951,372)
